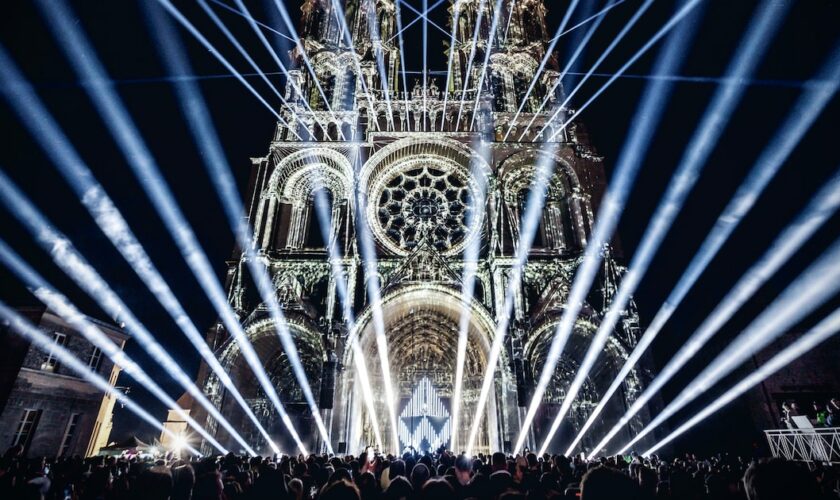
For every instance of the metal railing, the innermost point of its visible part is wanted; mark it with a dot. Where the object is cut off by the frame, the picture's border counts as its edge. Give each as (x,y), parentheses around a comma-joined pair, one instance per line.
(806,445)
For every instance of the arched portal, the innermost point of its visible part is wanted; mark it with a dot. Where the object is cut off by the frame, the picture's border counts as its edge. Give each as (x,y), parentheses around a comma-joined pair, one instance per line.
(421,324)
(263,337)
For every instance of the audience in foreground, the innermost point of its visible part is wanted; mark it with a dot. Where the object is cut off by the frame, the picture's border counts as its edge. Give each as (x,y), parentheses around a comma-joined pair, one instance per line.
(443,476)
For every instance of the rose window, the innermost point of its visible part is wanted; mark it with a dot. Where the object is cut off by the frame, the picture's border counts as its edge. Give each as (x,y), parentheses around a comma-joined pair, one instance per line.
(424,202)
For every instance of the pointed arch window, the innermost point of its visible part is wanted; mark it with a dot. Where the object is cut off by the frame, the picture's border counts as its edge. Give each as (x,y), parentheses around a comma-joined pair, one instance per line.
(320,215)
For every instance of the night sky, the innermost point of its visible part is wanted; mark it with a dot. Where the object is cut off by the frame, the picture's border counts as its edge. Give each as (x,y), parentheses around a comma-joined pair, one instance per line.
(119,32)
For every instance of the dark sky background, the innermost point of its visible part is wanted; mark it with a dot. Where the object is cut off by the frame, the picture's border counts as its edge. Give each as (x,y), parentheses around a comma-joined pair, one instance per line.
(119,33)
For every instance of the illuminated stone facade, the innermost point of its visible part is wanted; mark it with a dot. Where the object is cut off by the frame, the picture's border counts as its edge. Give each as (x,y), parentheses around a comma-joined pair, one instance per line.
(426,175)
(44,406)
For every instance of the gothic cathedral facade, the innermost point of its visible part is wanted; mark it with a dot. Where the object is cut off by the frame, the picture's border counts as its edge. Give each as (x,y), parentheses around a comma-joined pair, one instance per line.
(380,209)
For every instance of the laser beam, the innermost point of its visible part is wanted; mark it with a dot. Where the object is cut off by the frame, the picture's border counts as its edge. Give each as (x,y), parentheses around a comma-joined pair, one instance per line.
(580,46)
(143,165)
(373,25)
(494,26)
(325,222)
(823,331)
(39,339)
(529,224)
(425,59)
(368,252)
(210,48)
(111,222)
(261,25)
(425,17)
(456,15)
(64,255)
(621,34)
(417,19)
(608,215)
(244,53)
(597,15)
(804,112)
(204,133)
(809,291)
(289,79)
(820,210)
(306,61)
(471,254)
(360,77)
(646,119)
(406,92)
(470,59)
(749,53)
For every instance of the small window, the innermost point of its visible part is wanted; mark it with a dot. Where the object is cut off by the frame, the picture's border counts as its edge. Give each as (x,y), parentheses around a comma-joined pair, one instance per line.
(51,363)
(95,360)
(26,428)
(69,433)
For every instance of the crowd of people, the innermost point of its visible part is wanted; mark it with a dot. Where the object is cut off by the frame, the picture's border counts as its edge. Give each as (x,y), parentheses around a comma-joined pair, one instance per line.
(823,415)
(440,476)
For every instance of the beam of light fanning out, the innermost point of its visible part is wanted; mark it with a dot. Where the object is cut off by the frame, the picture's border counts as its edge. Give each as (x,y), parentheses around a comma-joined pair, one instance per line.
(809,291)
(804,112)
(723,104)
(111,222)
(821,208)
(201,126)
(140,159)
(646,119)
(823,331)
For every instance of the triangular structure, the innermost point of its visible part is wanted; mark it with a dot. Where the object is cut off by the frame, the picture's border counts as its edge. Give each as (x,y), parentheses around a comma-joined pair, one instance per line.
(424,265)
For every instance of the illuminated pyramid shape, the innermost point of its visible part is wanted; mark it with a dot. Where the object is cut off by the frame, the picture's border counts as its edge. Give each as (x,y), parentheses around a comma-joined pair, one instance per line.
(424,421)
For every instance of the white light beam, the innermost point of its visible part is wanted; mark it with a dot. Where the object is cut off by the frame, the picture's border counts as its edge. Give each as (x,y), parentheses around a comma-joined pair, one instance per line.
(646,119)
(809,291)
(204,133)
(804,112)
(140,159)
(752,47)
(826,328)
